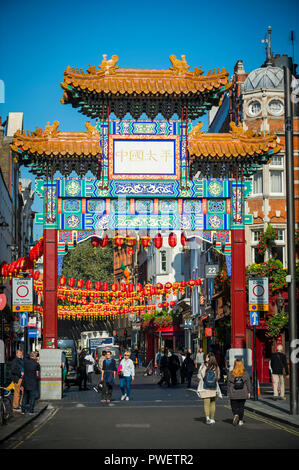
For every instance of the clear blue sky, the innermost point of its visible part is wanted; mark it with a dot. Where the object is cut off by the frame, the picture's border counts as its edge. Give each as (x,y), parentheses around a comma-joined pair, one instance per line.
(39,39)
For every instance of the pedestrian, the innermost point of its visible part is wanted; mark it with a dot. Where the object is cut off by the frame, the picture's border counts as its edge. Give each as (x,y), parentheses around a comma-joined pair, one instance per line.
(188,369)
(199,359)
(208,386)
(82,371)
(108,377)
(280,371)
(89,362)
(135,356)
(165,374)
(128,374)
(64,367)
(30,382)
(173,366)
(238,390)
(17,372)
(97,388)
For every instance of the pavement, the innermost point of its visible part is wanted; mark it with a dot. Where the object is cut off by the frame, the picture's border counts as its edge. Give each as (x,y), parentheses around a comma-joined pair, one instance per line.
(173,396)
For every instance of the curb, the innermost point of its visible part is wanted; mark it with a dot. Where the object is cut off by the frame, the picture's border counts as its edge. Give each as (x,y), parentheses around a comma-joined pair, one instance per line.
(267,414)
(25,423)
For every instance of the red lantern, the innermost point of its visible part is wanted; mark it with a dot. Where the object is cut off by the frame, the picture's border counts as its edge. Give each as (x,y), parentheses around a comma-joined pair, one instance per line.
(95,242)
(130,241)
(80,283)
(183,284)
(172,303)
(114,286)
(130,252)
(131,287)
(139,287)
(88,285)
(104,242)
(183,240)
(145,241)
(36,275)
(172,240)
(158,241)
(105,286)
(98,285)
(71,282)
(160,305)
(168,285)
(198,282)
(159,285)
(118,242)
(166,304)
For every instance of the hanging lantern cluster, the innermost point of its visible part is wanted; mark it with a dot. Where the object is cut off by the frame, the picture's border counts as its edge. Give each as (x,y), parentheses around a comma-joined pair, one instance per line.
(103,242)
(146,240)
(24,264)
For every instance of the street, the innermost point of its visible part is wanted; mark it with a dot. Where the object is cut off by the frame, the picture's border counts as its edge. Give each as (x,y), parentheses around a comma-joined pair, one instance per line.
(155,418)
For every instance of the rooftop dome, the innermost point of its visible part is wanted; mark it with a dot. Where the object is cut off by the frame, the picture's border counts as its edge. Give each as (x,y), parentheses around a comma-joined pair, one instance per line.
(267,77)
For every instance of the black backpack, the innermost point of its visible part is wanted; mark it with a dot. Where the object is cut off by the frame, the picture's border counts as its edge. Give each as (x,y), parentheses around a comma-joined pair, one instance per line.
(210,382)
(238,383)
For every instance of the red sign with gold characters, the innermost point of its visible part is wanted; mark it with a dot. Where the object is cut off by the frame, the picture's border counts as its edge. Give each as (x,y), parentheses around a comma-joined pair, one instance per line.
(208,331)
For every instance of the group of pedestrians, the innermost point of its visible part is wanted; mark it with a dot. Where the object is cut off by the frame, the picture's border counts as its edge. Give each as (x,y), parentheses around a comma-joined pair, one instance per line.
(108,371)
(25,374)
(174,366)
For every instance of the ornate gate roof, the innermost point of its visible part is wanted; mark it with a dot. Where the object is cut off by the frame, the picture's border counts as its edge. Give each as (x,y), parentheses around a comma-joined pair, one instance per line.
(150,91)
(65,151)
(237,148)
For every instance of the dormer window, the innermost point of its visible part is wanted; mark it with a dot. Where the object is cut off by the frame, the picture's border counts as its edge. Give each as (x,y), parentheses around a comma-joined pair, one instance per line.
(254,108)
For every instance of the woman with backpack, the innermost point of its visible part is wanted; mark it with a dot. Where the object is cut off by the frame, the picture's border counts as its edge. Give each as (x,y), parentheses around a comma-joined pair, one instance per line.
(208,387)
(238,390)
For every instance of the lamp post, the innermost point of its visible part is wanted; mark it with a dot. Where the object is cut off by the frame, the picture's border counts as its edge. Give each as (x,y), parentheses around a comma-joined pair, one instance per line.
(2,362)
(289,157)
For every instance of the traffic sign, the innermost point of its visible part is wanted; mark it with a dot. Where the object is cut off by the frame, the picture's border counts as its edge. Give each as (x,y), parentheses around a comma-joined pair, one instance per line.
(209,332)
(258,290)
(259,308)
(24,319)
(22,291)
(212,270)
(254,318)
(22,308)
(32,333)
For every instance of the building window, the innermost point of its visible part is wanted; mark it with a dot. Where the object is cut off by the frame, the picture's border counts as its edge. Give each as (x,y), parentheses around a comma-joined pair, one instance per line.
(278,248)
(257,187)
(276,175)
(256,256)
(163,262)
(255,238)
(256,235)
(254,108)
(276,182)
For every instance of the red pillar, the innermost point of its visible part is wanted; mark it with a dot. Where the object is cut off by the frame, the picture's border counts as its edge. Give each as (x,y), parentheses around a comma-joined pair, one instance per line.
(238,289)
(50,289)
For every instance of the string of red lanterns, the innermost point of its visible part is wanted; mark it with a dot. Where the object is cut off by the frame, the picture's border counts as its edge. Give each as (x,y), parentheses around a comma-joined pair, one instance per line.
(24,264)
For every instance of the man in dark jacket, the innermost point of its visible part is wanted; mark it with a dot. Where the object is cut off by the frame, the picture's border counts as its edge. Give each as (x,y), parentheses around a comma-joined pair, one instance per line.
(17,372)
(30,381)
(165,376)
(173,365)
(280,370)
(188,368)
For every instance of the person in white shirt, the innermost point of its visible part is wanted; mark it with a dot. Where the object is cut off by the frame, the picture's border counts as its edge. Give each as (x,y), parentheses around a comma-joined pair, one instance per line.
(89,361)
(127,375)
